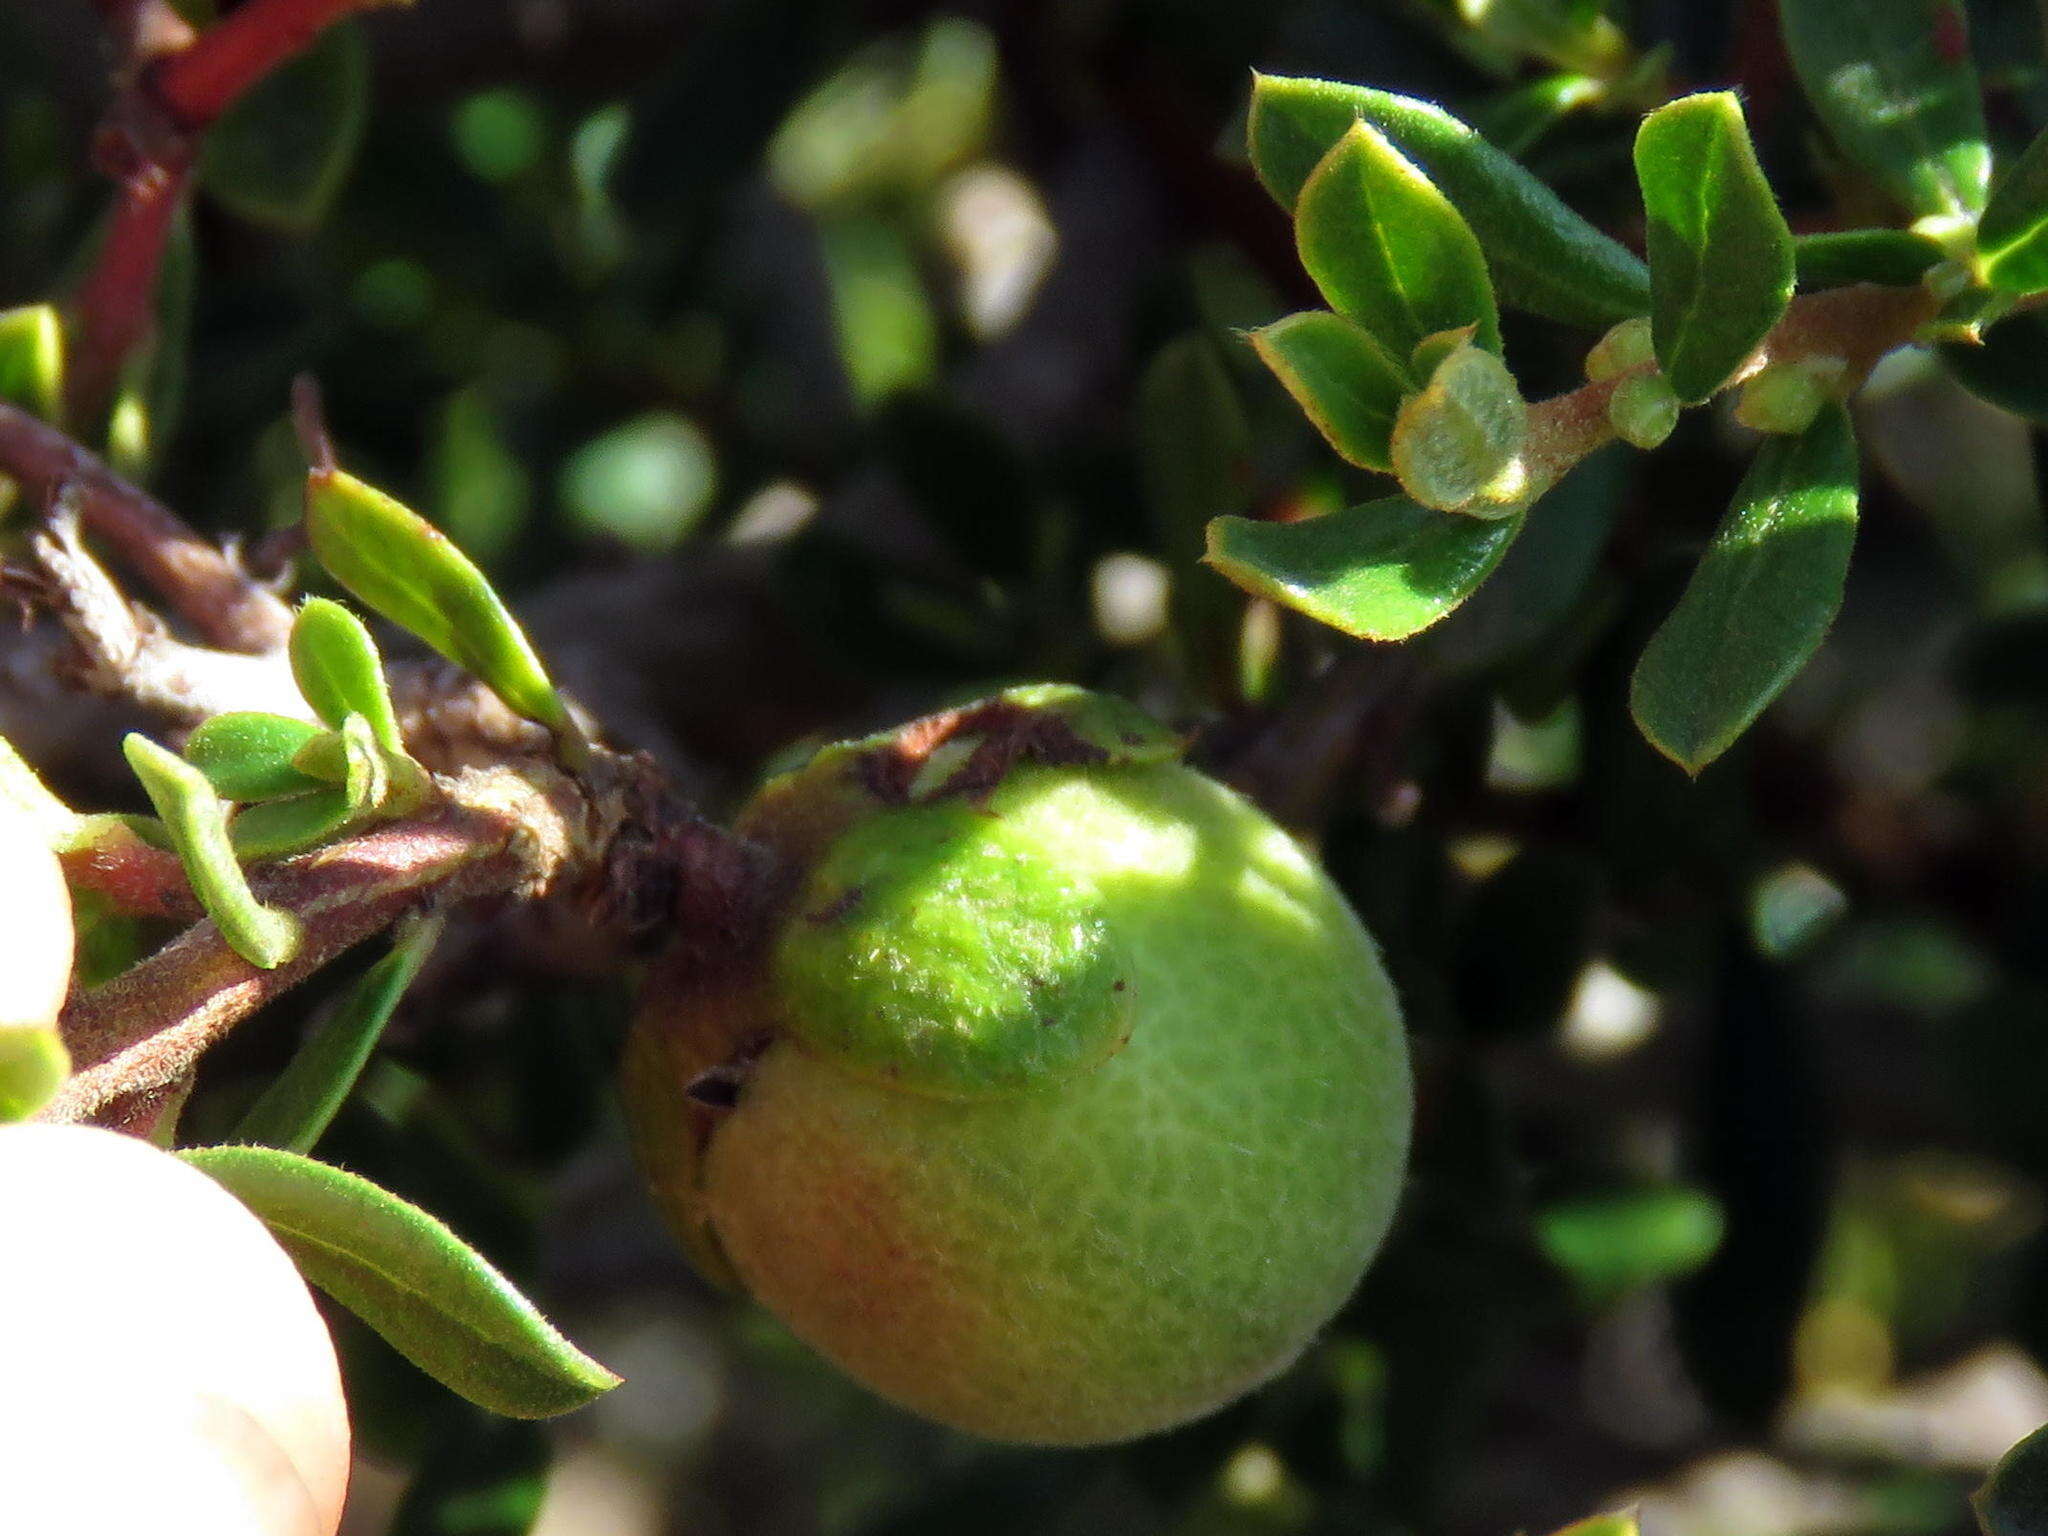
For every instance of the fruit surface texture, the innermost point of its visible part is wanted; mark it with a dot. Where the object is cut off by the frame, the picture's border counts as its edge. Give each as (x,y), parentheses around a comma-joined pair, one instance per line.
(167,1369)
(1070,1100)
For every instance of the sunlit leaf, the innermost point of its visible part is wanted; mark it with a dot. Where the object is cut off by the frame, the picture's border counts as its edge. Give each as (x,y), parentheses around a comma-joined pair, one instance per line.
(197,820)
(1382,571)
(433,1298)
(336,665)
(1761,600)
(1387,248)
(247,755)
(405,568)
(32,359)
(1544,257)
(1720,254)
(2012,237)
(1345,382)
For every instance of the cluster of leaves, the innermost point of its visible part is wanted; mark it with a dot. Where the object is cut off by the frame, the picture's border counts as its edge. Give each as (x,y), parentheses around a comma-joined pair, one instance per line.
(1414,228)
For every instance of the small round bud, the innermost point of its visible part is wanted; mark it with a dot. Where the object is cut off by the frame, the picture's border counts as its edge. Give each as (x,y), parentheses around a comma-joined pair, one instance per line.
(1456,444)
(1643,410)
(1622,350)
(1785,397)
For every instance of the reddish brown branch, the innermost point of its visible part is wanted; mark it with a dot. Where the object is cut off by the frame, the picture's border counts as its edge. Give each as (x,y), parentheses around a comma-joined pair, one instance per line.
(113,311)
(133,878)
(197,84)
(118,1034)
(200,582)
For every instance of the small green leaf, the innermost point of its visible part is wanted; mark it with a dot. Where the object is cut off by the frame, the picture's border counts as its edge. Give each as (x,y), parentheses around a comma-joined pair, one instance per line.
(33,1066)
(197,819)
(1382,571)
(1893,81)
(2012,237)
(2014,1498)
(1896,257)
(278,828)
(1611,1244)
(1387,248)
(1760,601)
(302,1101)
(337,668)
(1720,254)
(32,360)
(247,755)
(281,152)
(1544,257)
(1346,383)
(405,568)
(2009,367)
(433,1298)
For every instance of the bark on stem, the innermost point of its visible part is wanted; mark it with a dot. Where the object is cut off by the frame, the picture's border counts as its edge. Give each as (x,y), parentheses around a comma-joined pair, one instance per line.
(118,1034)
(200,582)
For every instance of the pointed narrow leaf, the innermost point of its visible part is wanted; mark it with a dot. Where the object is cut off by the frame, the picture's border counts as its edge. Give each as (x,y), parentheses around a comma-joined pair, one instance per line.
(1761,600)
(33,1066)
(402,566)
(1382,571)
(1720,254)
(32,360)
(196,818)
(1838,258)
(1544,257)
(433,1298)
(247,755)
(1387,248)
(336,665)
(2012,237)
(1893,81)
(302,1101)
(1345,382)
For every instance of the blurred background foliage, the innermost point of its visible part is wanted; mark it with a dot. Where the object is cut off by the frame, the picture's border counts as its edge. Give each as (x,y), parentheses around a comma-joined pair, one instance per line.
(802,364)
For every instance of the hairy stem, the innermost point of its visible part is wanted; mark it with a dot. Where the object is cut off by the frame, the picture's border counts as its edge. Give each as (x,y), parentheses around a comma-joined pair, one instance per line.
(1857,324)
(148,1027)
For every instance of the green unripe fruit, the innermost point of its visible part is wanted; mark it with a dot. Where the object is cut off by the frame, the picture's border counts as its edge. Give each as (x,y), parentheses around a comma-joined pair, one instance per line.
(1063,1098)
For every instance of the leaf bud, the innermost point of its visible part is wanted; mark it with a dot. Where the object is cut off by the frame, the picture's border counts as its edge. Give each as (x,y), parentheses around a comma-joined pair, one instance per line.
(1457,444)
(1642,410)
